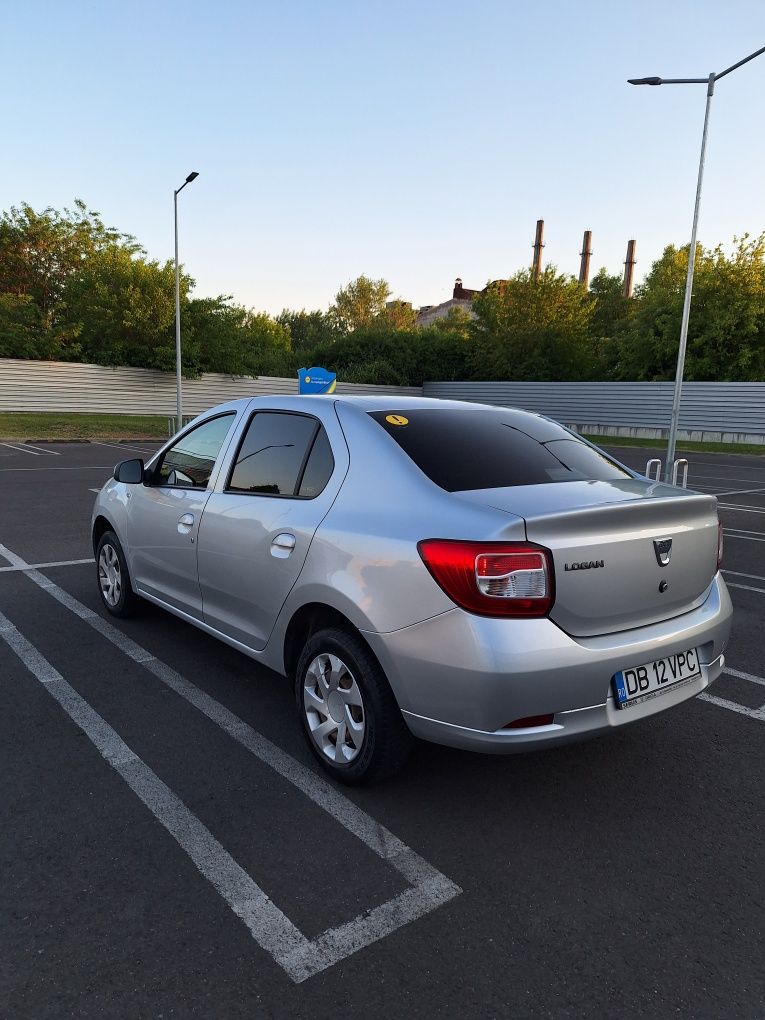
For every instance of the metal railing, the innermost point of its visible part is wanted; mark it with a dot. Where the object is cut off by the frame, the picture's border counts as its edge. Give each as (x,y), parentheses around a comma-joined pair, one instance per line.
(653,471)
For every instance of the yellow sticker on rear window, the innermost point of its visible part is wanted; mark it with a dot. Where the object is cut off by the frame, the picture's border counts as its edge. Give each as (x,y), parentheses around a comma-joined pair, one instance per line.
(396,419)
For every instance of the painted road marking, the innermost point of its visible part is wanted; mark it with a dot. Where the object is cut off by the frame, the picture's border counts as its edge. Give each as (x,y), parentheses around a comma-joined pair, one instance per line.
(751,677)
(36,451)
(22,449)
(429,888)
(743,509)
(94,490)
(270,928)
(82,467)
(738,492)
(43,449)
(717,465)
(738,573)
(750,537)
(733,706)
(738,584)
(745,587)
(731,478)
(125,446)
(54,563)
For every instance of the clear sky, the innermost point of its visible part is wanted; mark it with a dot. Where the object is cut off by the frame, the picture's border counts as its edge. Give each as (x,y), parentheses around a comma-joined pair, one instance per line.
(416,141)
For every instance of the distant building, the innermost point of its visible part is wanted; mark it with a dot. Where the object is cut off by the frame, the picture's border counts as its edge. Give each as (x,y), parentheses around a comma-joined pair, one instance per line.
(461,293)
(462,297)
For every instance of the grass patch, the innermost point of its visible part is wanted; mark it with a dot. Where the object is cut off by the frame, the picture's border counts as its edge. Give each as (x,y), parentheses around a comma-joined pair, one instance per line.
(682,444)
(21,425)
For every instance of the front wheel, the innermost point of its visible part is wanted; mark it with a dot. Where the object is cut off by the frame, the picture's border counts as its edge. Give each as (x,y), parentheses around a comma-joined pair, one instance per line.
(349,714)
(113,578)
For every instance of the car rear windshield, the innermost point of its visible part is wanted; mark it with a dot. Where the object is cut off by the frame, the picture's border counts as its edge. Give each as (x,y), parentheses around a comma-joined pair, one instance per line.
(477,449)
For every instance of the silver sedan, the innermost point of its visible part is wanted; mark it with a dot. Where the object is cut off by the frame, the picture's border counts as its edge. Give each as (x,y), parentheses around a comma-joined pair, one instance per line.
(476,576)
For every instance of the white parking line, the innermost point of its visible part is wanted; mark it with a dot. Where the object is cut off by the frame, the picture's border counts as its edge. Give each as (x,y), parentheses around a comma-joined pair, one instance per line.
(81,467)
(731,478)
(738,492)
(733,706)
(53,563)
(743,509)
(718,466)
(738,584)
(745,587)
(429,888)
(43,449)
(22,449)
(270,928)
(738,573)
(751,677)
(751,537)
(36,451)
(124,446)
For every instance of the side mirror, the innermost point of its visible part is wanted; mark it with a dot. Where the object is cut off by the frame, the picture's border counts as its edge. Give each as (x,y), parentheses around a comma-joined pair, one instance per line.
(129,471)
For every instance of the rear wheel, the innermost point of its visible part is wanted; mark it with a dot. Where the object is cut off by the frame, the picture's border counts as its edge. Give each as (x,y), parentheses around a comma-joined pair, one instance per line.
(349,714)
(113,578)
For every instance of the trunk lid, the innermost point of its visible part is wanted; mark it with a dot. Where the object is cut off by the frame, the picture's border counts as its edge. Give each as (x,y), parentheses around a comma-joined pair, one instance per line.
(604,538)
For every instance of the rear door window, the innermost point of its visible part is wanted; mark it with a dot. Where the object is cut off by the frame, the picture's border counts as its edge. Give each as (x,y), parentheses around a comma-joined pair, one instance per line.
(479,449)
(272,457)
(319,468)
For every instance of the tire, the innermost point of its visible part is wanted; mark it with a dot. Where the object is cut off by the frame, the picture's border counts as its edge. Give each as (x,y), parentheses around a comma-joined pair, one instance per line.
(113,577)
(342,693)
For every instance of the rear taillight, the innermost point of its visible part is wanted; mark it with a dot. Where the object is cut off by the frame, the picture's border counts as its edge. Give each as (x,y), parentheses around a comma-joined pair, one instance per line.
(492,578)
(719,544)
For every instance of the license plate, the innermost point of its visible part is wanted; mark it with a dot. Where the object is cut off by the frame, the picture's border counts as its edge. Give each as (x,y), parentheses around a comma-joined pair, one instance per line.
(631,686)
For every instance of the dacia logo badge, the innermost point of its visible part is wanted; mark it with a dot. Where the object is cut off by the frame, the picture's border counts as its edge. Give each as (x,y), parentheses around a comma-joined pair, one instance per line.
(663,549)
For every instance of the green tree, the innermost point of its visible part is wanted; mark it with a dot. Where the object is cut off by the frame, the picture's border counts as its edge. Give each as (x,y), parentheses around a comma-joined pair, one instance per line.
(308,329)
(726,331)
(124,308)
(41,252)
(532,329)
(612,308)
(359,303)
(611,317)
(221,336)
(22,333)
(396,315)
(401,357)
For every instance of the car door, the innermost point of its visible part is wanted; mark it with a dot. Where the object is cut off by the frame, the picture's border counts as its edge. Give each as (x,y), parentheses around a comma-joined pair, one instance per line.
(257,526)
(164,513)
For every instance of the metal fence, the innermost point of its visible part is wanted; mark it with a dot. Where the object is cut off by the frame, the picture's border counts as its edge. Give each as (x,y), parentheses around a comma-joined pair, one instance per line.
(727,412)
(65,386)
(723,412)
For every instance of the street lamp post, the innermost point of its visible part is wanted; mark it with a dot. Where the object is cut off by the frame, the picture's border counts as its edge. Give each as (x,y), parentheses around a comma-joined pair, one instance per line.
(178,386)
(710,84)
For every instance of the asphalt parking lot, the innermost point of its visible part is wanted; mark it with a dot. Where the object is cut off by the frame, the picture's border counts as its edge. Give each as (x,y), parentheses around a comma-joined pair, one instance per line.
(168,849)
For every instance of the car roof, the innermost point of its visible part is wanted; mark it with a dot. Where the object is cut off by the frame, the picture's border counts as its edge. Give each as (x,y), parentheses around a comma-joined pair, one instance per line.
(378,402)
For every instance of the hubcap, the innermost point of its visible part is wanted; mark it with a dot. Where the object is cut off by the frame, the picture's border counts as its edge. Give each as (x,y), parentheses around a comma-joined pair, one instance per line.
(334,708)
(109,574)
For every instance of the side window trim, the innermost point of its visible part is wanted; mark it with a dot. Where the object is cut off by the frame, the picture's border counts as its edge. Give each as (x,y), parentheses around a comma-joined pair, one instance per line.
(300,480)
(306,458)
(210,482)
(318,426)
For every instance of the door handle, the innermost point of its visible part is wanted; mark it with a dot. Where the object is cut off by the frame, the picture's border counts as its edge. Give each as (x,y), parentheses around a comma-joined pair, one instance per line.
(185,523)
(282,545)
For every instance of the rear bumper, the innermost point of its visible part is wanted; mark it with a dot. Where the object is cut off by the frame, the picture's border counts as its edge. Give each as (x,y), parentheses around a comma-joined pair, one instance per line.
(460,679)
(576,724)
